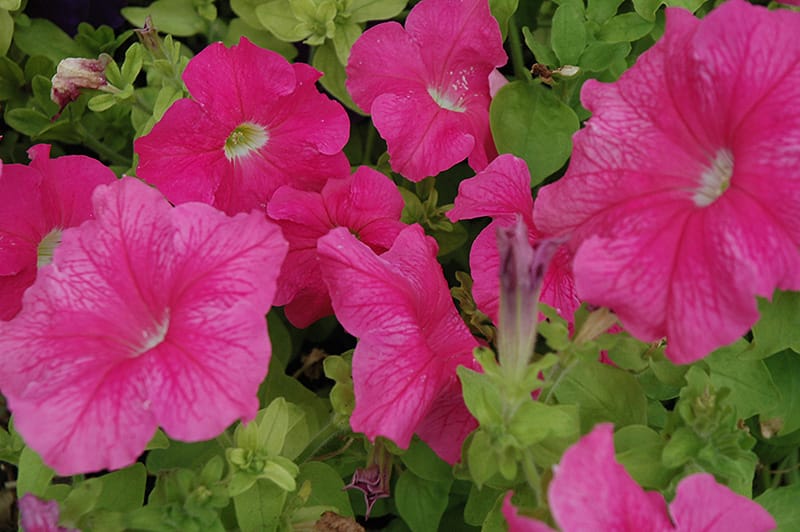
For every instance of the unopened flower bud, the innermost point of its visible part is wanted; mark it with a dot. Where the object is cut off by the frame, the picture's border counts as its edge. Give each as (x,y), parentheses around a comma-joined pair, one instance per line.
(522,269)
(76,73)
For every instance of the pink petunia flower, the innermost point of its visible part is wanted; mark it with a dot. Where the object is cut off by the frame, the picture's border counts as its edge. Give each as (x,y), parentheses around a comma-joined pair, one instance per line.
(37,515)
(683,190)
(590,490)
(256,123)
(367,203)
(427,86)
(149,315)
(502,191)
(39,202)
(410,339)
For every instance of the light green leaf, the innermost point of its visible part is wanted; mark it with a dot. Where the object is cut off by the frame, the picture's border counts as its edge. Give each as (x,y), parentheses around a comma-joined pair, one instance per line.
(647,8)
(481,458)
(42,37)
(503,10)
(178,17)
(534,421)
(600,11)
(568,33)
(366,10)
(627,27)
(34,476)
(6,31)
(639,449)
(530,122)
(102,102)
(327,488)
(326,61)
(482,397)
(259,508)
(751,385)
(603,393)
(599,56)
(10,5)
(132,65)
(779,325)
(278,18)
(541,52)
(343,40)
(123,490)
(239,28)
(782,504)
(425,463)
(785,371)
(420,502)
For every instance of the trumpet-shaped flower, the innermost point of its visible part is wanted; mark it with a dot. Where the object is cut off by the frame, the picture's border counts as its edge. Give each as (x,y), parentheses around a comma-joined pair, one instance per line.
(40,201)
(427,85)
(682,194)
(590,490)
(410,339)
(142,319)
(256,123)
(367,203)
(502,191)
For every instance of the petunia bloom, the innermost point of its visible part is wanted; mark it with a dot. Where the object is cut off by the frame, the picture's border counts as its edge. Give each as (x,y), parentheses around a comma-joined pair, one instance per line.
(590,490)
(367,203)
(40,201)
(502,191)
(256,123)
(427,86)
(142,319)
(410,339)
(682,194)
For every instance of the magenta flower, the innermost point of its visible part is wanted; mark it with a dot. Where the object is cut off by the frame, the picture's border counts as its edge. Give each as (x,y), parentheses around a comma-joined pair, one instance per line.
(142,319)
(256,123)
(410,339)
(367,203)
(427,86)
(502,191)
(590,490)
(40,201)
(683,190)
(37,515)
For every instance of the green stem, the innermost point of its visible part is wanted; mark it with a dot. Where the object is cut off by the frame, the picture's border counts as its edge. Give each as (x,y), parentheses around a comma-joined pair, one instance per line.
(369,144)
(101,149)
(517,60)
(326,434)
(793,475)
(559,372)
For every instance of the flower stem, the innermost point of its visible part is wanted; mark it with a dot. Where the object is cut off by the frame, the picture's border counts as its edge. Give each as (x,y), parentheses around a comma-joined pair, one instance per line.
(325,434)
(113,156)
(517,60)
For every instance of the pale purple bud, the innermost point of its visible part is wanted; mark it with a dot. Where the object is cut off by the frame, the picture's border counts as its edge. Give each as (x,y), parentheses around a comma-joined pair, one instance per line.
(373,480)
(37,515)
(522,269)
(76,73)
(148,36)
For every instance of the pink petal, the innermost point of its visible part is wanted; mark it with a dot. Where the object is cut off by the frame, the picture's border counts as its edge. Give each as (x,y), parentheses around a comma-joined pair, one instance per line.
(142,319)
(590,490)
(410,336)
(703,504)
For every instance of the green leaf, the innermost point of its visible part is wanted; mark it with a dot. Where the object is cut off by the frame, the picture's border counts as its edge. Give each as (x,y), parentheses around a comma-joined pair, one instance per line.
(259,508)
(751,388)
(273,425)
(367,10)
(479,502)
(541,52)
(785,371)
(420,502)
(482,397)
(647,8)
(691,5)
(27,121)
(603,393)
(10,5)
(123,490)
(6,31)
(627,27)
(343,40)
(568,33)
(481,458)
(421,460)
(81,500)
(42,37)
(600,11)
(278,17)
(599,56)
(182,455)
(178,17)
(534,421)
(239,28)
(779,325)
(12,79)
(639,449)
(782,504)
(530,122)
(33,476)
(503,10)
(326,61)
(102,102)
(327,488)
(134,57)
(282,472)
